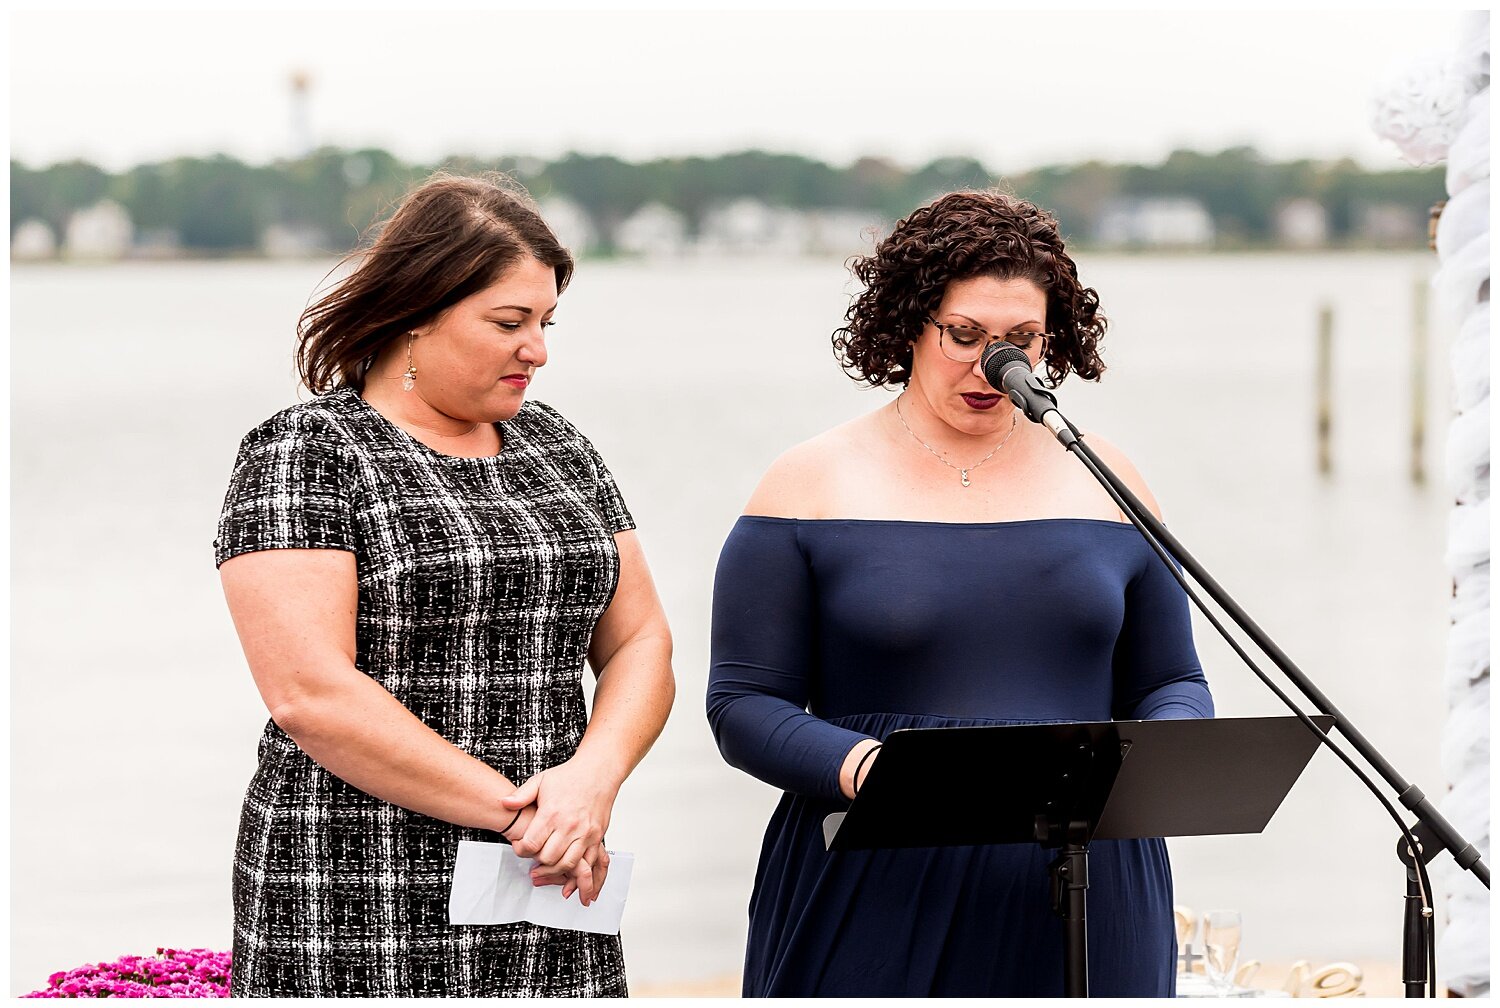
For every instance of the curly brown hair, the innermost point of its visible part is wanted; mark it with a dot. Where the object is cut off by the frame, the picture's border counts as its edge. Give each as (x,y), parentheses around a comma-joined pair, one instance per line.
(960,235)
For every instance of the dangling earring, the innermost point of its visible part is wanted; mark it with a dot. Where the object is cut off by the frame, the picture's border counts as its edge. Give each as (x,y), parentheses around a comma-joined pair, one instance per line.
(409,379)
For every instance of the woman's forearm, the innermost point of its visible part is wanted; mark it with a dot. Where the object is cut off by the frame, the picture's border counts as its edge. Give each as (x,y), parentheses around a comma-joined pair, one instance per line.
(360,733)
(631,702)
(858,761)
(574,800)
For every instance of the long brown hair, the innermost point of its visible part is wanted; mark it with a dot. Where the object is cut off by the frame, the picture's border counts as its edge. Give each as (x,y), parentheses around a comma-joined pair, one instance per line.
(452,236)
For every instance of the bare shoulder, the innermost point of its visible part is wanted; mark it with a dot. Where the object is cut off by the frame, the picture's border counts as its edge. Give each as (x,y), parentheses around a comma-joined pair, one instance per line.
(797,484)
(1123,468)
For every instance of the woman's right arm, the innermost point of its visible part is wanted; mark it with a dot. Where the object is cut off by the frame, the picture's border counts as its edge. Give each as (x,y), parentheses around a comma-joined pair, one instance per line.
(285,547)
(764,655)
(294,610)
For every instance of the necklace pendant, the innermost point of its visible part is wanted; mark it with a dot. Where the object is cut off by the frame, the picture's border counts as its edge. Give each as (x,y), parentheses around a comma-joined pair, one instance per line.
(964,475)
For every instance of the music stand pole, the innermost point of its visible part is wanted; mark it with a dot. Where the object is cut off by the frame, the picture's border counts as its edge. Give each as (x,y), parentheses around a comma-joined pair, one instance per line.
(1087,774)
(1070,886)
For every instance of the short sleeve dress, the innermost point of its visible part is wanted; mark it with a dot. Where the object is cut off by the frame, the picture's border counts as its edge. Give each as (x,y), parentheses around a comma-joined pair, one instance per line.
(829,632)
(480,583)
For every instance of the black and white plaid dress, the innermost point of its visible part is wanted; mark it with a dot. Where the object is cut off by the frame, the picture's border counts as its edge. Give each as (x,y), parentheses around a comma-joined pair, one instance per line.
(480,582)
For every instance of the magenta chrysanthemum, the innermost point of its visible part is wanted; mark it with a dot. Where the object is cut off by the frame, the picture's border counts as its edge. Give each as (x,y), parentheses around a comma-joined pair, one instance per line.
(172,973)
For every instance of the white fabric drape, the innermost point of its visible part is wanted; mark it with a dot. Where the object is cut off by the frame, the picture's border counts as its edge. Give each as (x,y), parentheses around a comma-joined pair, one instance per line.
(1442,110)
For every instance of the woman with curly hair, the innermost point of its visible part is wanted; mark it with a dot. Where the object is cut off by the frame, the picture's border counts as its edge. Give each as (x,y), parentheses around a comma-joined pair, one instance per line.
(867,589)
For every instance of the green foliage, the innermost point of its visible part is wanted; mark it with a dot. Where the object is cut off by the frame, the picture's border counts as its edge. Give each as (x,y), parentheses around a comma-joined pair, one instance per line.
(941,176)
(1076,195)
(146,192)
(52,194)
(217,205)
(609,190)
(1241,191)
(221,204)
(337,194)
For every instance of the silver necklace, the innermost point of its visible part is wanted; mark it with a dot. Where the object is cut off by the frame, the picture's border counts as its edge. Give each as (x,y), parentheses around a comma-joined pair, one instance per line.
(963,471)
(429,430)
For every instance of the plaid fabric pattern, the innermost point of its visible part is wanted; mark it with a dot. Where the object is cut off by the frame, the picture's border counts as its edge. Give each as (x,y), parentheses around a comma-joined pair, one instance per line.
(480,582)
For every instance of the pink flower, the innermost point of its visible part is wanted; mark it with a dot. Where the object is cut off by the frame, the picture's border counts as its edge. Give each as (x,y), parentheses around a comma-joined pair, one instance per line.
(171,973)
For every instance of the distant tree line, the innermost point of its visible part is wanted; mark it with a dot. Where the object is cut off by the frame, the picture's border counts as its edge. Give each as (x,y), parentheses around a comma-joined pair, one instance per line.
(219,205)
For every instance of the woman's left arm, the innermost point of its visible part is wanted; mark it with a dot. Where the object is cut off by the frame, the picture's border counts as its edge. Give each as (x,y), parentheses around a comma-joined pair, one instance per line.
(631,654)
(1157,674)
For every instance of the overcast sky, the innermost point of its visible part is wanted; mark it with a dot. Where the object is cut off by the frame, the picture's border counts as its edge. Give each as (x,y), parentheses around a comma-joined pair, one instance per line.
(1014,89)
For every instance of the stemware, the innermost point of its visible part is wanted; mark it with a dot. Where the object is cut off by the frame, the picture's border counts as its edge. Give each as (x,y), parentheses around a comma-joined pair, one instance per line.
(1187,928)
(1221,948)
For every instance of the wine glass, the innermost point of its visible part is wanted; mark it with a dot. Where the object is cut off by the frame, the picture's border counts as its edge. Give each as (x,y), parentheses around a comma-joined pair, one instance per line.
(1187,927)
(1221,948)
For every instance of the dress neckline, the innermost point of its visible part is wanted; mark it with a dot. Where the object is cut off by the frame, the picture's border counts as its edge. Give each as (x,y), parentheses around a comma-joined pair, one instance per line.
(401,433)
(940,524)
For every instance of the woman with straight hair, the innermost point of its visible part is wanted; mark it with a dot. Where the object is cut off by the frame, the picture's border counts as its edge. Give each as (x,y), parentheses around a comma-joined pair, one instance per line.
(419,561)
(940,562)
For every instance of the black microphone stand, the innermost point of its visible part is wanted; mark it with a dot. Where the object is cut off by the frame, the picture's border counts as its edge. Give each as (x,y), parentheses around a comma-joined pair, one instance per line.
(1417,946)
(1039,405)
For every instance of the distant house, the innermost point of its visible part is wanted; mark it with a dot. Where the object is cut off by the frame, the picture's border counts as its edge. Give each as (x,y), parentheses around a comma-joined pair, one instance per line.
(1157,222)
(1302,223)
(750,226)
(843,232)
(294,241)
(570,223)
(653,230)
(157,243)
(102,231)
(33,240)
(1389,224)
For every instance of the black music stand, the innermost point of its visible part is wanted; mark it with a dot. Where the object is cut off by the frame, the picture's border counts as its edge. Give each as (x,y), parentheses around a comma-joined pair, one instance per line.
(1067,784)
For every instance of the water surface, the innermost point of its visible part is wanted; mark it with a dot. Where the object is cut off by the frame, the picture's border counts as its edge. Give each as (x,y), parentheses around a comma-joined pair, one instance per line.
(134,719)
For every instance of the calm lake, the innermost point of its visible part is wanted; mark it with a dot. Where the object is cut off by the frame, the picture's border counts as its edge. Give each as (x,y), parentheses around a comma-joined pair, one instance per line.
(134,719)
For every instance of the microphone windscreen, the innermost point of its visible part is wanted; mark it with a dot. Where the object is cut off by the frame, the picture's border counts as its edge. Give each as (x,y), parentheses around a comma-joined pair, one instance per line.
(999,358)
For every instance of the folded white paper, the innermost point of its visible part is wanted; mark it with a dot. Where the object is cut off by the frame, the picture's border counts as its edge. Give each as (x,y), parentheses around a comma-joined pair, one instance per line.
(491,885)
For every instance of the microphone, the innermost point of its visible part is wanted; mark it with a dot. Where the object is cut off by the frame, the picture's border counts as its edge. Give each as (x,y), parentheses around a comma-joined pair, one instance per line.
(1007,368)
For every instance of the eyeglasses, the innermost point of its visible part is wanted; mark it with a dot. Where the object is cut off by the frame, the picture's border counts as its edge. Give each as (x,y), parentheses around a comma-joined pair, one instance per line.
(965,343)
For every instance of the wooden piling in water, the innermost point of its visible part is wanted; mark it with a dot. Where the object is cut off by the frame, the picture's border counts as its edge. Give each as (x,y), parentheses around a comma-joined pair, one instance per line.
(1324,390)
(1418,372)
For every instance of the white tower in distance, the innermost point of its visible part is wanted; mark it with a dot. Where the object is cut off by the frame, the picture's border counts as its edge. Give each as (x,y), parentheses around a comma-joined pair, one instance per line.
(302,142)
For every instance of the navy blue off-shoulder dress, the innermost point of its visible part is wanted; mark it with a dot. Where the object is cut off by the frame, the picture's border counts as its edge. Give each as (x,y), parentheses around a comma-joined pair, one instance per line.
(827,632)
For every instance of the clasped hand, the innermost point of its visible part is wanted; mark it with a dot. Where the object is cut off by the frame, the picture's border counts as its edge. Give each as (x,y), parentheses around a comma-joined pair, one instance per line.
(565,833)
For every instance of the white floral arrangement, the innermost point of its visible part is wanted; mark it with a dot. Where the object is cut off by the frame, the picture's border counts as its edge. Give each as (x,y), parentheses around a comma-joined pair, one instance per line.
(1421,109)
